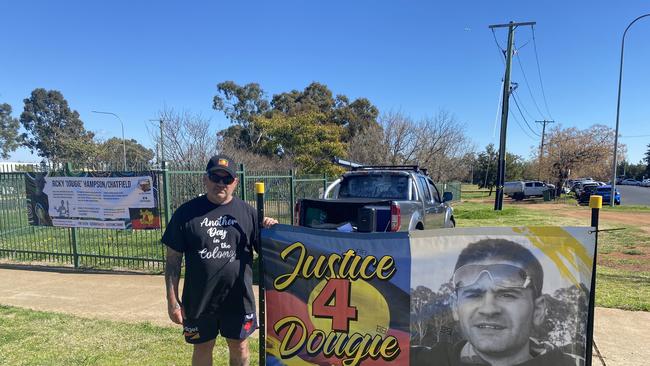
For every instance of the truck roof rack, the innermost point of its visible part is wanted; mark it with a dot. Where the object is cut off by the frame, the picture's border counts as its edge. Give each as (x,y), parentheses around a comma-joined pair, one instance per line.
(389,167)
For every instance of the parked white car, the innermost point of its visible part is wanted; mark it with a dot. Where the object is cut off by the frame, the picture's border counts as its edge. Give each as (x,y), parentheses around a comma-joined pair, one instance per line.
(520,190)
(630,182)
(646,183)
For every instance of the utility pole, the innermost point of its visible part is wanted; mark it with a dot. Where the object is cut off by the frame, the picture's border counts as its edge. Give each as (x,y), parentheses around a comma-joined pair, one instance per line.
(162,145)
(501,170)
(541,147)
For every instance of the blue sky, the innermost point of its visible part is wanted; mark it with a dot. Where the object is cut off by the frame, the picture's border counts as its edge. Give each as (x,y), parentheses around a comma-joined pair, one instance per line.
(134,58)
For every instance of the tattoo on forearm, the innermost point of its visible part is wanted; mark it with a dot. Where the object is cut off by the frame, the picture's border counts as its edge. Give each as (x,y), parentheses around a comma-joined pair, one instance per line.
(173,271)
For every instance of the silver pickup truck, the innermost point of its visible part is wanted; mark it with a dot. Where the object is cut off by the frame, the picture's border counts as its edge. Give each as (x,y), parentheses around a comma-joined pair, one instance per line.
(379,198)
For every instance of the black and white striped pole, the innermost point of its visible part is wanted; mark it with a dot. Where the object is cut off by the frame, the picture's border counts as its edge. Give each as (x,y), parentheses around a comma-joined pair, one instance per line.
(259,190)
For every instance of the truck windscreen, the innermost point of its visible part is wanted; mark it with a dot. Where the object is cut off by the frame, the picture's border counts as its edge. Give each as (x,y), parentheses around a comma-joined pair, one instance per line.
(384,186)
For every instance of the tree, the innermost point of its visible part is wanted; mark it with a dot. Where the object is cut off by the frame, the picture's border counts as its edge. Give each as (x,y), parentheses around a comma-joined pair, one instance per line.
(580,153)
(302,138)
(367,146)
(486,167)
(111,152)
(442,144)
(438,144)
(9,137)
(242,104)
(54,131)
(187,138)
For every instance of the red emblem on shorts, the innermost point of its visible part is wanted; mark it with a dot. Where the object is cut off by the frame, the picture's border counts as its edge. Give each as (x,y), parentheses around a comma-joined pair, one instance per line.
(248,325)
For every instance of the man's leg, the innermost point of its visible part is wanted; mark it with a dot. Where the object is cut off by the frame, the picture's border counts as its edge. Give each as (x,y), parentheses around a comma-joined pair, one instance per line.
(239,354)
(202,355)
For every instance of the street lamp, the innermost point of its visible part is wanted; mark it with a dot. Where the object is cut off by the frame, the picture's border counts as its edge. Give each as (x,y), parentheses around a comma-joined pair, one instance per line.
(618,109)
(123,140)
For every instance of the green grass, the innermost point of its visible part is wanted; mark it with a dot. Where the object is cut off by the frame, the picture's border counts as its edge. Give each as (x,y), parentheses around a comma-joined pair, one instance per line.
(623,274)
(42,338)
(626,208)
(623,289)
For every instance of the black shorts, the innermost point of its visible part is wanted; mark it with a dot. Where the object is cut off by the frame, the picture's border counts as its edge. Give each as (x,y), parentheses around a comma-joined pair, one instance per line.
(208,327)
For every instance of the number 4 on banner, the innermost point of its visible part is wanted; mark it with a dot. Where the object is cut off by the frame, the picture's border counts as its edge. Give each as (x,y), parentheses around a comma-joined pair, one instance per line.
(336,291)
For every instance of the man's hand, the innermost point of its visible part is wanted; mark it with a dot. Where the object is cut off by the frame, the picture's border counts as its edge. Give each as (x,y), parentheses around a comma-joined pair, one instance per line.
(176,313)
(268,222)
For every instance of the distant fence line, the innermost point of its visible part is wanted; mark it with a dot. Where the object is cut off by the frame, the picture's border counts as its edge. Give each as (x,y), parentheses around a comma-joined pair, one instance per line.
(138,249)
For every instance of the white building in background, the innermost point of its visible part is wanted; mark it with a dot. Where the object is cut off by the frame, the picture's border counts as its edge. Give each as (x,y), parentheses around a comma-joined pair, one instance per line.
(14,166)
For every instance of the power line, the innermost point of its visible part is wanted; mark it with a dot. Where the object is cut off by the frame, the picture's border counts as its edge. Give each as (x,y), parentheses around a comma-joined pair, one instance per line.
(523,106)
(522,116)
(624,137)
(514,116)
(539,72)
(521,67)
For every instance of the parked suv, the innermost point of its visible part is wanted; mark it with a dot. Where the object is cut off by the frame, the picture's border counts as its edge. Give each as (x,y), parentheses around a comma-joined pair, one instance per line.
(604,191)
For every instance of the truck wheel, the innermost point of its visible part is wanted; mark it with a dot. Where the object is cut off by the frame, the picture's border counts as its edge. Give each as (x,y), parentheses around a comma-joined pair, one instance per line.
(518,196)
(452,223)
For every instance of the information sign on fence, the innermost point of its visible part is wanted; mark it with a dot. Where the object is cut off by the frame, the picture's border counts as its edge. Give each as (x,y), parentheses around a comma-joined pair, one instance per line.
(107,200)
(508,296)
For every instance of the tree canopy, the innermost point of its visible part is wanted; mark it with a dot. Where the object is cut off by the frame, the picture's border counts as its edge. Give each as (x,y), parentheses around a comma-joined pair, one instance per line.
(9,137)
(307,127)
(111,152)
(54,131)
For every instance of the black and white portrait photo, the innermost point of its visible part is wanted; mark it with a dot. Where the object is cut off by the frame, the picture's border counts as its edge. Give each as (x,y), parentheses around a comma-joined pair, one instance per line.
(500,296)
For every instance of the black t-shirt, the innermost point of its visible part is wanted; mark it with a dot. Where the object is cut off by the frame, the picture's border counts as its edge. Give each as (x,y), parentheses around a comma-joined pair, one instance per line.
(218,242)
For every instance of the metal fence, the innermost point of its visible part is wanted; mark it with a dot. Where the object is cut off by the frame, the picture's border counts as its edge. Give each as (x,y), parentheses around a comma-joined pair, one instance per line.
(138,249)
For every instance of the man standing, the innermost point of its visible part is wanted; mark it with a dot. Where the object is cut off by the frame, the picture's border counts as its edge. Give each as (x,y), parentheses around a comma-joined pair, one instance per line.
(217,233)
(498,303)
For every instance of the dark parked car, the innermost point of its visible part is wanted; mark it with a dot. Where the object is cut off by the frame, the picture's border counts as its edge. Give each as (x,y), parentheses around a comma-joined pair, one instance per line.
(604,191)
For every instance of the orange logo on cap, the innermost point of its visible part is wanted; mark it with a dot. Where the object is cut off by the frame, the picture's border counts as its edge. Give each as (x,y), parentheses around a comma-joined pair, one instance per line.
(223,162)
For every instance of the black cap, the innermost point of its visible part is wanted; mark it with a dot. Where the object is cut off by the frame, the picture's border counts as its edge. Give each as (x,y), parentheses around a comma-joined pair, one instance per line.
(221,162)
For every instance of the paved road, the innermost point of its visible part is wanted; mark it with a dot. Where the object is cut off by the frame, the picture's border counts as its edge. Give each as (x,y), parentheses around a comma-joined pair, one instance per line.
(633,195)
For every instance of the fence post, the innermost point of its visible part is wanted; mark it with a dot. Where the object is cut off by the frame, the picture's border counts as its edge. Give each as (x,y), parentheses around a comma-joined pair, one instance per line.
(324,184)
(292,194)
(166,195)
(242,178)
(73,230)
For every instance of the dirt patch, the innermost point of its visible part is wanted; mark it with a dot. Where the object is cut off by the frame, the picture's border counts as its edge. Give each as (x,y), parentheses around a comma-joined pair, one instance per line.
(627,262)
(640,219)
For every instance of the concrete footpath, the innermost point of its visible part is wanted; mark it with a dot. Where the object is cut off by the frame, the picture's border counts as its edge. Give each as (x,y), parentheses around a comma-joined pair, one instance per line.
(621,336)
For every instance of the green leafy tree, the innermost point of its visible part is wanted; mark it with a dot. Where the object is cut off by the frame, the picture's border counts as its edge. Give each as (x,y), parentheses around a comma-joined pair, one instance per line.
(111,152)
(9,137)
(242,105)
(302,138)
(485,172)
(315,97)
(55,131)
(485,169)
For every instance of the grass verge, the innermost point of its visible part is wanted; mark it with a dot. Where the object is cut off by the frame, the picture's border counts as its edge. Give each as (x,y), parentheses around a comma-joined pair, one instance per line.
(623,274)
(41,338)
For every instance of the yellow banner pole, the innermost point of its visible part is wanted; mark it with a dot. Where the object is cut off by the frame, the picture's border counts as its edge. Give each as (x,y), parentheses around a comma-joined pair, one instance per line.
(595,203)
(259,190)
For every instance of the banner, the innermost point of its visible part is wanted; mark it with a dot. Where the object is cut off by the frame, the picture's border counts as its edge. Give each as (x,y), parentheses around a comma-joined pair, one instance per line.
(483,296)
(107,200)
